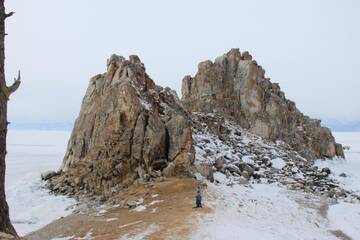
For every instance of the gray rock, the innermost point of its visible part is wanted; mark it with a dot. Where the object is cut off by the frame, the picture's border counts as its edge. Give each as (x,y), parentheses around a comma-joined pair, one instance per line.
(77,181)
(326,170)
(219,164)
(249,169)
(256,175)
(205,170)
(343,174)
(169,170)
(131,203)
(233,169)
(245,174)
(48,174)
(227,173)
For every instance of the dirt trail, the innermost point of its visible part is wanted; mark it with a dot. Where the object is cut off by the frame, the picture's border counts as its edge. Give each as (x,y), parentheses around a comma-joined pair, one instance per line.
(168,215)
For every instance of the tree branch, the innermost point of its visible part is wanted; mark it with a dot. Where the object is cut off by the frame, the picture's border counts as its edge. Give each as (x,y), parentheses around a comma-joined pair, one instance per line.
(8,14)
(16,84)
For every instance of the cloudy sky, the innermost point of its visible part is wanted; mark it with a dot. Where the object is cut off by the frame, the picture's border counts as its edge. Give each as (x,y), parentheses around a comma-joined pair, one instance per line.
(310,47)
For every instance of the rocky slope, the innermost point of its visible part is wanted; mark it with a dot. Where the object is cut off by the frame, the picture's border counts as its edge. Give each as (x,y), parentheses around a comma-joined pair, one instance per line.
(235,86)
(240,157)
(128,129)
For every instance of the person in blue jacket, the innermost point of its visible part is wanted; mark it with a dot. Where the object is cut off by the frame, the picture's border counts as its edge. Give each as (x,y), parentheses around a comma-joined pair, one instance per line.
(198,199)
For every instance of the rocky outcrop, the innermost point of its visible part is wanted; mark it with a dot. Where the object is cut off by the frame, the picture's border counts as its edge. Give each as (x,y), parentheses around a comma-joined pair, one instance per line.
(128,130)
(235,86)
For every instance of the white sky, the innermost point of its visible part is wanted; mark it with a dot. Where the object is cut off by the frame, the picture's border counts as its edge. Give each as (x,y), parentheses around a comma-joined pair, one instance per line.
(310,47)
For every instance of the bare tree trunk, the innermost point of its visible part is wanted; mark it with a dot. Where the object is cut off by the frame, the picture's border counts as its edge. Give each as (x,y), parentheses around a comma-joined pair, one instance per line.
(5,224)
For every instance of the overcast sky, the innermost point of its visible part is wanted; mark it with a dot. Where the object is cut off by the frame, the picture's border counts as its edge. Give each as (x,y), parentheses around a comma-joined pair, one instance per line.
(310,47)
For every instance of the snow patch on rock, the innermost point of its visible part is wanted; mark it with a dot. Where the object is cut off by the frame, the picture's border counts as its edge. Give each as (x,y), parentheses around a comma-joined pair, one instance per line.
(278,163)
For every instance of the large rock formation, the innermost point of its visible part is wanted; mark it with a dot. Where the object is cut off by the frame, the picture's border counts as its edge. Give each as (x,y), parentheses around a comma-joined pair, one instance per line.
(235,85)
(128,129)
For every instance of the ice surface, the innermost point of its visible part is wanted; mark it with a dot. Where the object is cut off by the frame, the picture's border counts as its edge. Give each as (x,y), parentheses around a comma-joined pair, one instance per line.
(29,154)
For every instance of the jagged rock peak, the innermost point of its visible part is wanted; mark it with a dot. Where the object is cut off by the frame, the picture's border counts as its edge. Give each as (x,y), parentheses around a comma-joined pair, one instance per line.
(129,129)
(235,86)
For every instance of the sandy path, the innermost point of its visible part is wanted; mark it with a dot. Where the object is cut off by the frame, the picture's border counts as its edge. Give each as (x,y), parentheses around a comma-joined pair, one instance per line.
(168,215)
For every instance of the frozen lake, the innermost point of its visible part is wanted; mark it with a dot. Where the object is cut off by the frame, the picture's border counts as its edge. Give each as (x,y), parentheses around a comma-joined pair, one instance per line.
(29,154)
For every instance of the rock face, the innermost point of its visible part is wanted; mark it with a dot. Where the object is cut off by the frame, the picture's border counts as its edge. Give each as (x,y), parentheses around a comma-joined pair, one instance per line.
(235,85)
(128,129)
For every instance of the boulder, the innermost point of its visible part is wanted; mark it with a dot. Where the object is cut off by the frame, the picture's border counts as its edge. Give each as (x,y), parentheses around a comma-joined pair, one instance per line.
(206,170)
(219,164)
(339,150)
(233,169)
(326,170)
(343,175)
(48,174)
(245,167)
(131,203)
(245,174)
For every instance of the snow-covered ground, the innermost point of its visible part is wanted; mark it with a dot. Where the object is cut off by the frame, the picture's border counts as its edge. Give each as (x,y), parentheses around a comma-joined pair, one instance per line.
(261,211)
(267,211)
(29,154)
